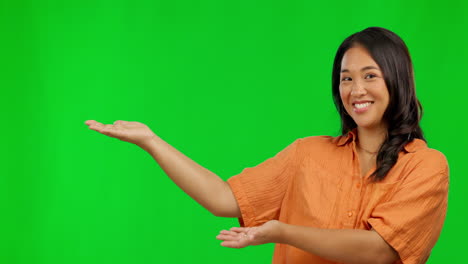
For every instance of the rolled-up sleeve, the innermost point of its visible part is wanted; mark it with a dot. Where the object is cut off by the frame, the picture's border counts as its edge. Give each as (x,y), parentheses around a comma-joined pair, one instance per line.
(260,190)
(412,219)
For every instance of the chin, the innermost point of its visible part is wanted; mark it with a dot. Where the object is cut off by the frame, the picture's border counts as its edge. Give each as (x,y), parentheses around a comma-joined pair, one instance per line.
(368,125)
(365,123)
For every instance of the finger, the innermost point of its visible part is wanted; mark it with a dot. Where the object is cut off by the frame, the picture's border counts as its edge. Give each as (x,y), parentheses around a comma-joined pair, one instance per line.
(103,129)
(226,232)
(227,237)
(230,235)
(120,122)
(107,129)
(233,244)
(96,126)
(90,122)
(239,229)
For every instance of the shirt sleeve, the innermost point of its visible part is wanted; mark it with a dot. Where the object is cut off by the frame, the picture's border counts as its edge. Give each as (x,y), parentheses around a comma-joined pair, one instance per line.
(259,190)
(412,219)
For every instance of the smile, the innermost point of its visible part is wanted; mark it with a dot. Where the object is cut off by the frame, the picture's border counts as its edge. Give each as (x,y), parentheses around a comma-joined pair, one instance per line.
(361,108)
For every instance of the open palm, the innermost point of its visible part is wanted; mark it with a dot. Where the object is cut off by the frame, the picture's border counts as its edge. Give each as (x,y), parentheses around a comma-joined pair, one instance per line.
(239,237)
(133,132)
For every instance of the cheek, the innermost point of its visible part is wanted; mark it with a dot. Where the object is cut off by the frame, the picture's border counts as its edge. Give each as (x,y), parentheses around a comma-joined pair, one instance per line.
(382,93)
(387,96)
(344,94)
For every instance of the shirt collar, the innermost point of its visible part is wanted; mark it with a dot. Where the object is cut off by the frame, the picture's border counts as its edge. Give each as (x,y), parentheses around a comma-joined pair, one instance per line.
(415,145)
(412,146)
(344,139)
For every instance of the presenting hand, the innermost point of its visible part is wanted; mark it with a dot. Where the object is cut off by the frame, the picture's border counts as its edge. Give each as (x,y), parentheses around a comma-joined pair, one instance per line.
(133,132)
(239,237)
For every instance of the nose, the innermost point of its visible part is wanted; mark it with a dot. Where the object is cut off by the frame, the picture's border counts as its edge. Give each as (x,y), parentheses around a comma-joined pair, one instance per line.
(357,89)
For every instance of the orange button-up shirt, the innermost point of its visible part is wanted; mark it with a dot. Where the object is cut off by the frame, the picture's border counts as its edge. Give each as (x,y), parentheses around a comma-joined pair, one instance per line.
(316,181)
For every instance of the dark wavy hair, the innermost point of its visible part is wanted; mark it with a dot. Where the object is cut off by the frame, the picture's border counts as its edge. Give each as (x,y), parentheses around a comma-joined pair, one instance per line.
(404,111)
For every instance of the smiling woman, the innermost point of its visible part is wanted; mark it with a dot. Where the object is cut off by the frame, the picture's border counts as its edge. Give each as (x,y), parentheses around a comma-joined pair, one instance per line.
(386,72)
(363,89)
(375,194)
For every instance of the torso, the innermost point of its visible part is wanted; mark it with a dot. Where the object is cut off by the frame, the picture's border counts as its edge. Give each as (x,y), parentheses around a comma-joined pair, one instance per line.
(325,191)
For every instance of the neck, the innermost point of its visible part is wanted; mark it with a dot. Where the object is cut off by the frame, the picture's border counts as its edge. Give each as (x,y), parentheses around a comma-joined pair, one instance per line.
(370,139)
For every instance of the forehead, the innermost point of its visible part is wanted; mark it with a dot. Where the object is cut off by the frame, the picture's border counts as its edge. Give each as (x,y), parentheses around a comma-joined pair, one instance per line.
(357,57)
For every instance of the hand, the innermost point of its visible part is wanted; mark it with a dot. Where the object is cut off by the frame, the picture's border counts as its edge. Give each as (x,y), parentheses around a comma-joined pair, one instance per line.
(133,132)
(239,237)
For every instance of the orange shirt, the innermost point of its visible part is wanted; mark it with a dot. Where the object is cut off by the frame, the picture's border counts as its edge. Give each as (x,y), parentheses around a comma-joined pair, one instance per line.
(316,181)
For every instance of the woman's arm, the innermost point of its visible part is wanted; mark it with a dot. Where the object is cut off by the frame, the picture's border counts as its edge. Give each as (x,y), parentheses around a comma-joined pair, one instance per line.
(202,185)
(205,187)
(340,245)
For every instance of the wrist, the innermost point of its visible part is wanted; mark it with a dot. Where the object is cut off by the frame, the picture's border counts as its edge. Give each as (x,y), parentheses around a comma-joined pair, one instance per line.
(279,234)
(150,143)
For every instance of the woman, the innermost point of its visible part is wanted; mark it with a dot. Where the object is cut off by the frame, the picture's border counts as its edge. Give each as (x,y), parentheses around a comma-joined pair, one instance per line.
(375,194)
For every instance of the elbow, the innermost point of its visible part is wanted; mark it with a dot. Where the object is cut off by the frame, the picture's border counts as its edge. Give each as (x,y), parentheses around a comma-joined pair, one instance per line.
(217,213)
(221,209)
(382,252)
(225,203)
(389,260)
(385,255)
(383,260)
(232,213)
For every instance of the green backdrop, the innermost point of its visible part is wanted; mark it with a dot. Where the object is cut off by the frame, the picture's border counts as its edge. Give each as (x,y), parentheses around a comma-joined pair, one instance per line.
(228,83)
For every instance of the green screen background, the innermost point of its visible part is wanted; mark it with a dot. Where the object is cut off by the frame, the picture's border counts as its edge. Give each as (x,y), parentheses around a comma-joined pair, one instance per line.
(229,84)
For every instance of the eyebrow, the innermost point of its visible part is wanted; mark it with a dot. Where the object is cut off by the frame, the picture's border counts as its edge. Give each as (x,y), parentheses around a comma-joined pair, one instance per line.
(363,69)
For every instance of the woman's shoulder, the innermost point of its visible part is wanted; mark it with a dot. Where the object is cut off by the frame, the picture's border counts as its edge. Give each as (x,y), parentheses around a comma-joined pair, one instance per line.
(320,141)
(423,162)
(423,156)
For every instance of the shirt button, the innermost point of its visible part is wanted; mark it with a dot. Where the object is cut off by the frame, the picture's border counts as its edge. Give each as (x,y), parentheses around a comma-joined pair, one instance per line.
(350,213)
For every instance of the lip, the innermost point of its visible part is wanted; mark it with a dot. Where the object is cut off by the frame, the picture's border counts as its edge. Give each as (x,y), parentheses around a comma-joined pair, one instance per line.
(362,110)
(362,102)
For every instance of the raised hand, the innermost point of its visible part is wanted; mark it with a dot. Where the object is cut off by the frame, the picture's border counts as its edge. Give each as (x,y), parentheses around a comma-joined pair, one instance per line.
(133,132)
(239,237)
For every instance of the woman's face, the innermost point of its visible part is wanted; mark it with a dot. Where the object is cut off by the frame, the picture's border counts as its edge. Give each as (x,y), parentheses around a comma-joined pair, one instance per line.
(362,88)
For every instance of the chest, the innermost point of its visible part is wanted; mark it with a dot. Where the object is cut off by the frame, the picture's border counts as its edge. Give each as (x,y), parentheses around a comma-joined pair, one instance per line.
(331,197)
(367,163)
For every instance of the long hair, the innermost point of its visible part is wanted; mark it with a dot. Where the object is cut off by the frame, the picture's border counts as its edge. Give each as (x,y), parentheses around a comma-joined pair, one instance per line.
(404,111)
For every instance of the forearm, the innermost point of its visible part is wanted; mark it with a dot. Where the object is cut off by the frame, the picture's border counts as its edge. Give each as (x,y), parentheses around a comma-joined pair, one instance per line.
(205,187)
(340,245)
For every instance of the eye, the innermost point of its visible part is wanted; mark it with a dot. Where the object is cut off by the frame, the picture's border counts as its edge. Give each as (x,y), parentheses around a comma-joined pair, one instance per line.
(346,79)
(371,76)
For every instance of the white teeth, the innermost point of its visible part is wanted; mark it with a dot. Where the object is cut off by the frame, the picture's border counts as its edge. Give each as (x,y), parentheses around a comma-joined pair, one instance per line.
(359,106)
